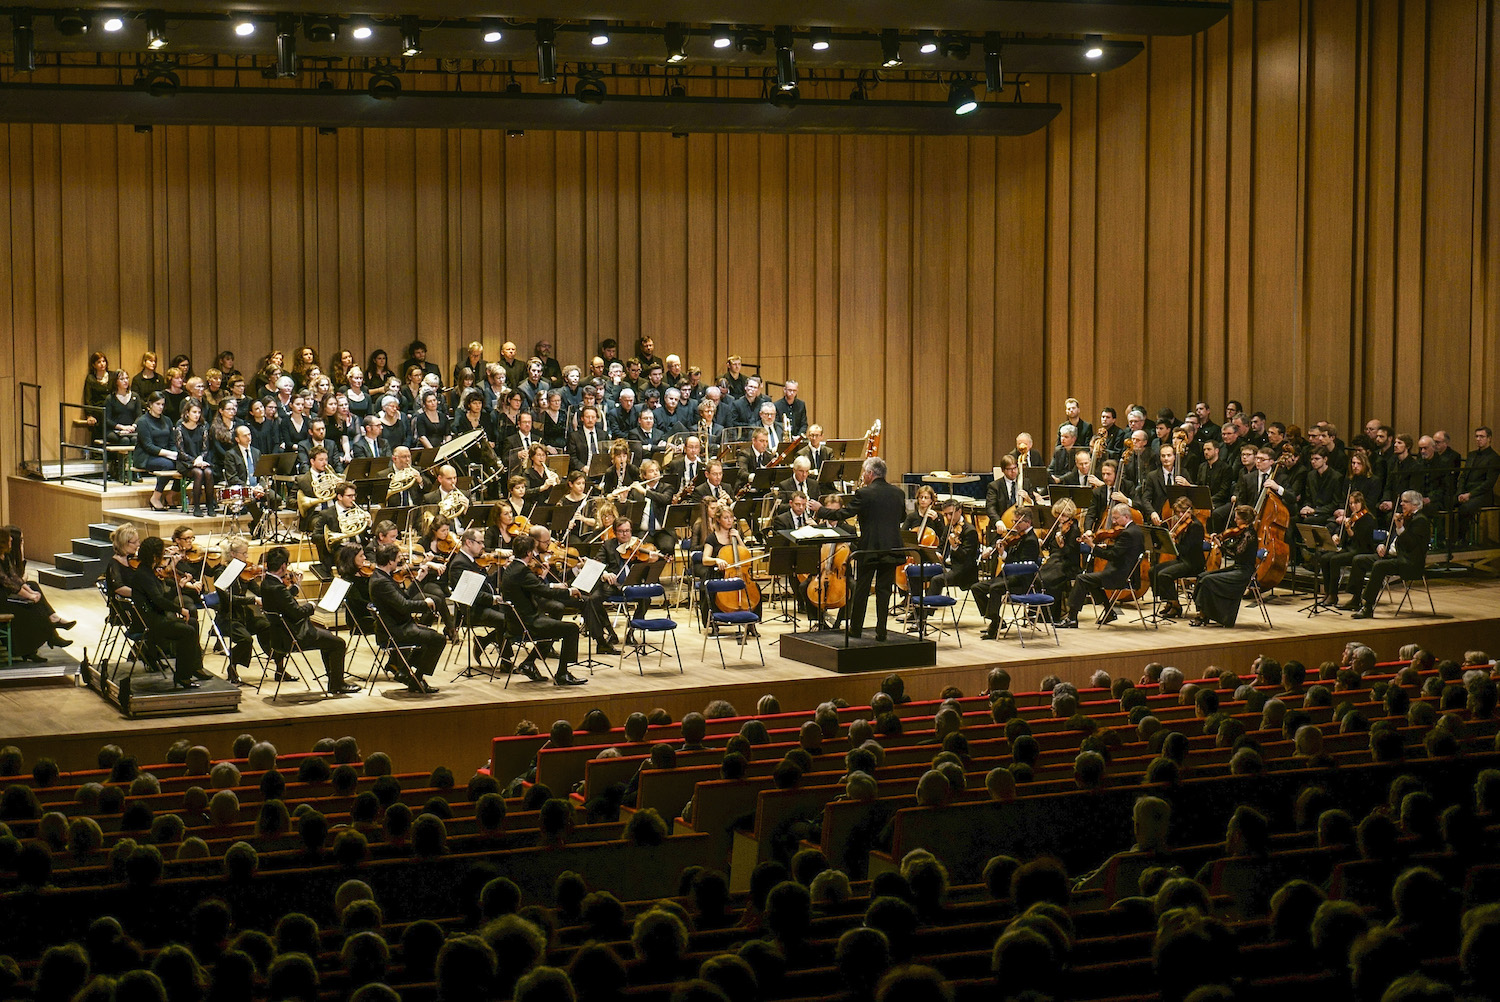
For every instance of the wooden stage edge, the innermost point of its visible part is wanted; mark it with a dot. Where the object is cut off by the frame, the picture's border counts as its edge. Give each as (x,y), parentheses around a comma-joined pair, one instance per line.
(454,727)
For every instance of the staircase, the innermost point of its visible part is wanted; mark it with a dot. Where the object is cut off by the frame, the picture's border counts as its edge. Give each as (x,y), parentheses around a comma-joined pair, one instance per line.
(82,567)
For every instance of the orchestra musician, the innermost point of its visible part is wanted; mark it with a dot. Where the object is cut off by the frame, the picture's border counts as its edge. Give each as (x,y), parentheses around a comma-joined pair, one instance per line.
(1082,473)
(794,516)
(1106,495)
(161,608)
(1113,444)
(482,612)
(1187,538)
(1026,452)
(447,484)
(1064,554)
(239,616)
(503,529)
(621,473)
(650,488)
(1322,491)
(590,606)
(1219,594)
(398,607)
(1064,455)
(1355,535)
(686,471)
(440,543)
(958,544)
(539,607)
(1017,545)
(328,520)
(757,457)
(1218,476)
(1122,559)
(720,532)
(712,488)
(307,486)
(800,483)
(587,440)
(1153,493)
(1005,492)
(1403,553)
(278,599)
(540,477)
(924,512)
(879,506)
(239,471)
(401,460)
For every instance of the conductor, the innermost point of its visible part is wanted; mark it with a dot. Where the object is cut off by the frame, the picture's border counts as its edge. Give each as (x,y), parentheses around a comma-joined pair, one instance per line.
(880,507)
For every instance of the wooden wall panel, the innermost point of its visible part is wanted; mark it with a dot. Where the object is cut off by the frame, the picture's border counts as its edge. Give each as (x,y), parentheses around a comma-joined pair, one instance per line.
(1310,188)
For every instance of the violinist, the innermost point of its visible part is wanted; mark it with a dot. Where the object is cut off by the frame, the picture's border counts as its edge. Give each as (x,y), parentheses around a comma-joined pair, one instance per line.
(1153,493)
(590,606)
(293,621)
(239,616)
(483,612)
(538,606)
(1219,593)
(1063,562)
(515,495)
(1403,553)
(1187,537)
(397,607)
(958,544)
(1354,532)
(1018,545)
(190,568)
(503,530)
(166,618)
(440,544)
(1124,542)
(119,571)
(353,564)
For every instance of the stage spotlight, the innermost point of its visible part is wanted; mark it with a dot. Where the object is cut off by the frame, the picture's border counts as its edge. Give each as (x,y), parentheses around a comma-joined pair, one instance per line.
(590,89)
(927,42)
(158,80)
(751,40)
(676,39)
(71,24)
(384,84)
(546,51)
(821,39)
(961,98)
(23,43)
(890,48)
(786,60)
(956,47)
(994,79)
(411,37)
(722,37)
(1093,46)
(492,31)
(321,30)
(361,28)
(114,23)
(156,30)
(598,32)
(244,27)
(286,47)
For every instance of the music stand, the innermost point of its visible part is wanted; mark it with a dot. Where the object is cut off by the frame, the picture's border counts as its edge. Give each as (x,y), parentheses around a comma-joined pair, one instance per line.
(835,471)
(358,469)
(368,493)
(560,464)
(1318,538)
(784,563)
(424,459)
(762,479)
(599,465)
(1159,546)
(268,470)
(380,466)
(1036,479)
(1082,498)
(1201,497)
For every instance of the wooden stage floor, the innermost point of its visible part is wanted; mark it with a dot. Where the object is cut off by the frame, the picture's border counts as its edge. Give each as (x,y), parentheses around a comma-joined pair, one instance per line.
(454,725)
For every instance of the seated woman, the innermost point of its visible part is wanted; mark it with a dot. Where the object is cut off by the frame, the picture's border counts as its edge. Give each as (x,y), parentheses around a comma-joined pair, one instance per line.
(191,442)
(122,408)
(722,534)
(1220,592)
(165,617)
(153,446)
(354,567)
(119,570)
(36,622)
(1187,536)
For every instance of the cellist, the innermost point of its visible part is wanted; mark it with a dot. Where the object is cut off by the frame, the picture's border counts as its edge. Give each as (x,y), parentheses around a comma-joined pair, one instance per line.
(722,534)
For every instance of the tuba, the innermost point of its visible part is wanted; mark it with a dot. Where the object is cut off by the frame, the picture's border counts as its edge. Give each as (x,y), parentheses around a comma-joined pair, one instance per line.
(402,480)
(352,522)
(323,485)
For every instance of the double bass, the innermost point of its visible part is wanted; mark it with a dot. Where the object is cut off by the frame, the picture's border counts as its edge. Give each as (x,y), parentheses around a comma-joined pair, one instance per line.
(1272,522)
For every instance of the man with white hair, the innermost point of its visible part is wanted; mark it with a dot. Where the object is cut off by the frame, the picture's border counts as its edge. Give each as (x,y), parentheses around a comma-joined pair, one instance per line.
(1062,457)
(1122,562)
(1404,553)
(880,508)
(671,416)
(622,417)
(800,482)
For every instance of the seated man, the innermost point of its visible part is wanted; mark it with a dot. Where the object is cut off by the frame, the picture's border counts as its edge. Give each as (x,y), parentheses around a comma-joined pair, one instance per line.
(1404,553)
(539,607)
(279,600)
(1018,545)
(397,607)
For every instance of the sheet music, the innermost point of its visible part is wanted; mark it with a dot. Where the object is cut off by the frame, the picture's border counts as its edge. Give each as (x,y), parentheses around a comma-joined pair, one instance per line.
(469,583)
(588,575)
(815,532)
(333,595)
(232,571)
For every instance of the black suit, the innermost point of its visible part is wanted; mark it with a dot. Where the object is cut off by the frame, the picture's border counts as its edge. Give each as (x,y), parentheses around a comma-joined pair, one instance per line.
(237,473)
(1189,563)
(1357,538)
(999,497)
(988,595)
(483,611)
(1481,469)
(396,609)
(797,410)
(363,448)
(880,508)
(304,454)
(578,446)
(1122,560)
(1405,554)
(296,619)
(541,609)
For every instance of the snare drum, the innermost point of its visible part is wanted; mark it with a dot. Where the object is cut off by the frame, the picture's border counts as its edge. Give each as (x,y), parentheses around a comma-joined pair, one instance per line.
(236,495)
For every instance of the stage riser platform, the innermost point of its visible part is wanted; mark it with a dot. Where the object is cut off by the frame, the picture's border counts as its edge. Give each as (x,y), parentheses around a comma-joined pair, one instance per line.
(420,733)
(832,651)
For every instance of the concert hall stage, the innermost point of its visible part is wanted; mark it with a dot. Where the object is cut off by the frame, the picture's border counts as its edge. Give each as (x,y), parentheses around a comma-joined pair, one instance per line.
(454,726)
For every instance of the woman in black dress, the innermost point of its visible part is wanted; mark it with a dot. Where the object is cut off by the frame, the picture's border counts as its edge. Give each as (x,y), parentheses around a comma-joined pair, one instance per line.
(378,370)
(122,409)
(162,611)
(154,446)
(1187,537)
(393,427)
(1361,476)
(429,429)
(191,441)
(36,622)
(96,387)
(1220,593)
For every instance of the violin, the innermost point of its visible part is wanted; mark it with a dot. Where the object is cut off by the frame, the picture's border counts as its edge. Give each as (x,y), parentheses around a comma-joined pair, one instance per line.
(252,572)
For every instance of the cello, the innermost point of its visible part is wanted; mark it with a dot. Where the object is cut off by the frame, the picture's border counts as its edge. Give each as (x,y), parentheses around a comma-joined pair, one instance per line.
(737,555)
(926,537)
(829,588)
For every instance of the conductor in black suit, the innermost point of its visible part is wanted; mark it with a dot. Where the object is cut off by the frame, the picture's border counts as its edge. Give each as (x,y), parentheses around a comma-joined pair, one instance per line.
(1123,558)
(880,507)
(276,598)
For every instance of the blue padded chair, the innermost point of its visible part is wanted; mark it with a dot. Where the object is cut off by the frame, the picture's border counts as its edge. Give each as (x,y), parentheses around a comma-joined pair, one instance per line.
(1030,571)
(663,625)
(741,621)
(918,575)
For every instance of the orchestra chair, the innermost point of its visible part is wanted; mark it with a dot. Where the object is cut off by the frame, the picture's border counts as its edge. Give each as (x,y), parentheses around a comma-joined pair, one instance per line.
(917,576)
(1024,608)
(1387,588)
(515,629)
(112,633)
(1113,606)
(139,649)
(6,619)
(741,621)
(388,651)
(360,623)
(664,625)
(283,651)
(1028,569)
(211,605)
